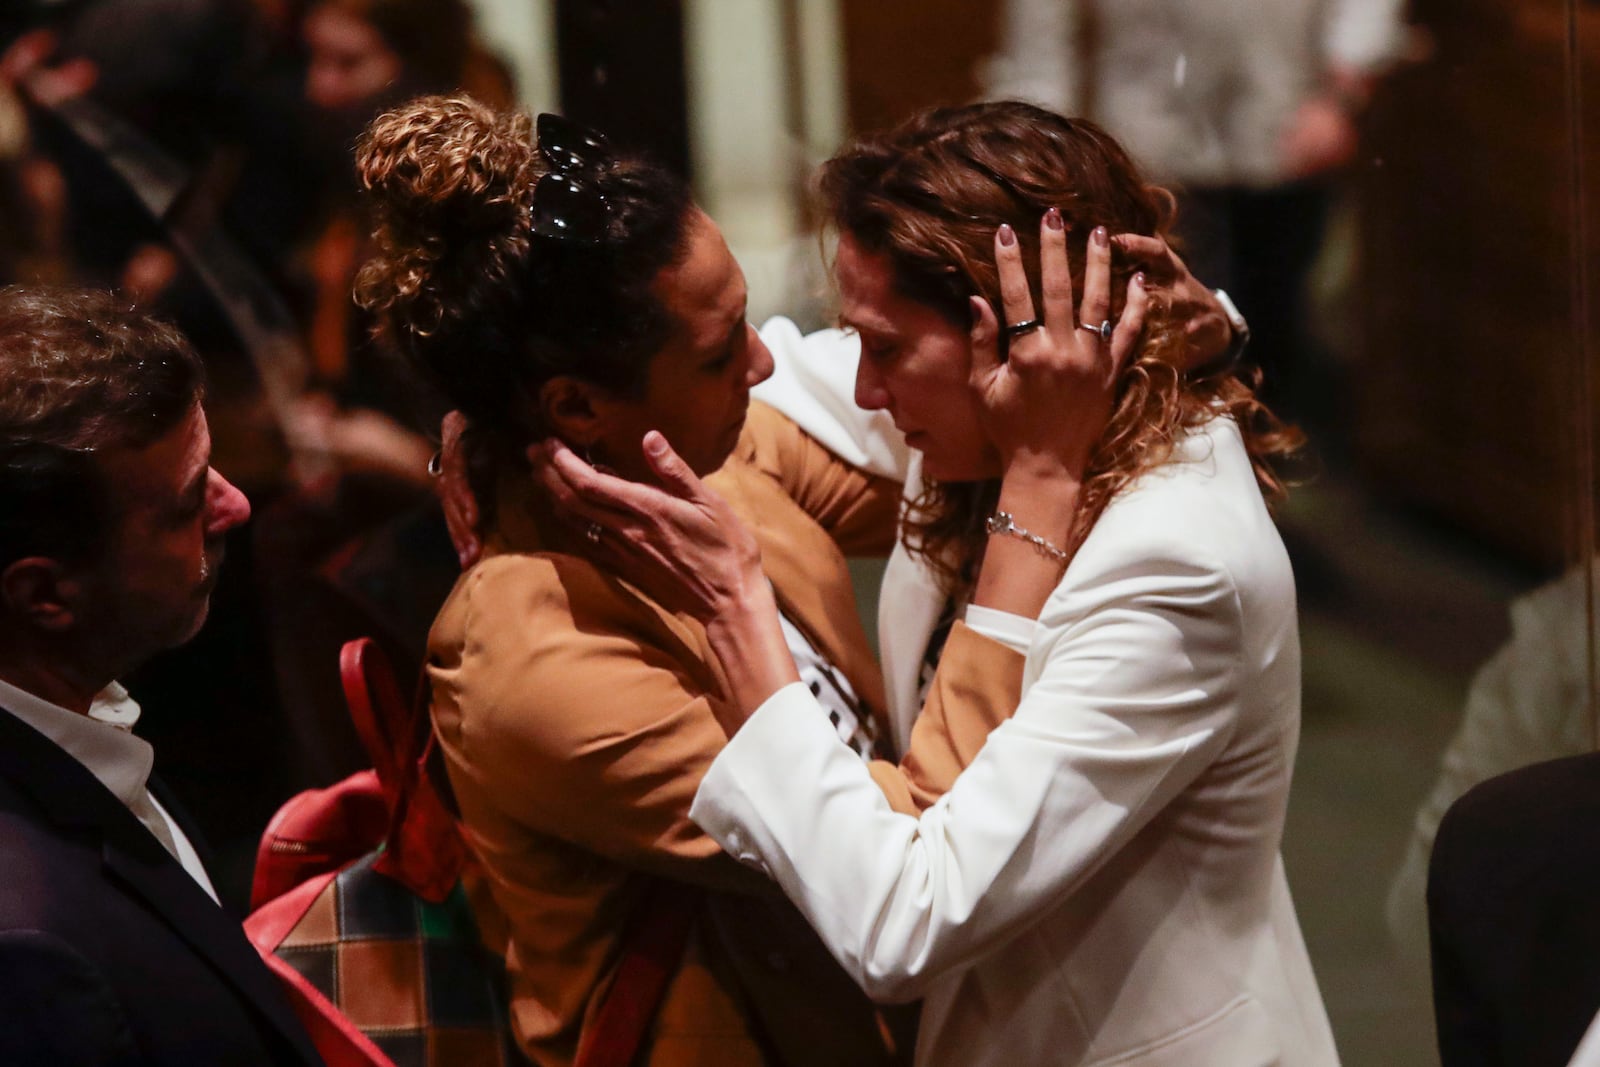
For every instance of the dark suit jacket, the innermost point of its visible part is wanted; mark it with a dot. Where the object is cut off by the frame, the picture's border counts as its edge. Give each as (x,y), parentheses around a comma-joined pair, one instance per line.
(1514,915)
(110,954)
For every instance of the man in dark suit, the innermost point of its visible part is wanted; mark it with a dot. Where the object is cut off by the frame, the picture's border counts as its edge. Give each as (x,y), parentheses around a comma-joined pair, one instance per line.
(113,949)
(1512,914)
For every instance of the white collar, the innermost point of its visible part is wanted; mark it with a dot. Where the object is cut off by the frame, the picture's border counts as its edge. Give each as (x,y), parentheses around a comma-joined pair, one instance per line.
(101,740)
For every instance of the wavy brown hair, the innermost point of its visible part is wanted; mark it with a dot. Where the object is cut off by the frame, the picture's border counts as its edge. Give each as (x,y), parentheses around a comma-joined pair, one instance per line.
(485,310)
(928,196)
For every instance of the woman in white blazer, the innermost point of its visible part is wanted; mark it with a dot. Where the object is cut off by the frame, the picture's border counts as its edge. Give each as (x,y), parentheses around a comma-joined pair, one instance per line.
(1102,884)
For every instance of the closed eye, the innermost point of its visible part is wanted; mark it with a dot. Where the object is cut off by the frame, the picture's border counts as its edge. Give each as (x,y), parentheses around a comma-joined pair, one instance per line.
(738,338)
(877,349)
(874,346)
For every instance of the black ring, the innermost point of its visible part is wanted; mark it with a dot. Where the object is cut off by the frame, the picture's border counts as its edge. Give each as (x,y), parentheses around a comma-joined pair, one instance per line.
(1017,329)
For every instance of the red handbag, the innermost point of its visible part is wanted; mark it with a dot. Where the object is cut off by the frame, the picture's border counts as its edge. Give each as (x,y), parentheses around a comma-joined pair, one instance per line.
(361,907)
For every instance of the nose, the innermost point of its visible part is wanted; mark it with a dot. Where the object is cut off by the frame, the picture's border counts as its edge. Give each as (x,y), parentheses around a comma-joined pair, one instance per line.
(226,507)
(871,394)
(759,368)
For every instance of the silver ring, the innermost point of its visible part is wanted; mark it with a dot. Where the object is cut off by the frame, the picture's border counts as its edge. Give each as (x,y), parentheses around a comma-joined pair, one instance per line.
(1017,329)
(436,464)
(592,532)
(1104,329)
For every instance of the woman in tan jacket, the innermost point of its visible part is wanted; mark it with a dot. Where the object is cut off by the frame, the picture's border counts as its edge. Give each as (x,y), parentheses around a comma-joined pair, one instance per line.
(555,287)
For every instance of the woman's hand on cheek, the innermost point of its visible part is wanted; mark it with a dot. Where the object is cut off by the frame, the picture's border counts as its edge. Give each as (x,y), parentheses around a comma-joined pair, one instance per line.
(685,548)
(679,542)
(1206,326)
(1047,404)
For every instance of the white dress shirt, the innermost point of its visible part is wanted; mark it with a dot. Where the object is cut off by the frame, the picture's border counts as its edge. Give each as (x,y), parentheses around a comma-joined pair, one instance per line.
(1588,1054)
(103,741)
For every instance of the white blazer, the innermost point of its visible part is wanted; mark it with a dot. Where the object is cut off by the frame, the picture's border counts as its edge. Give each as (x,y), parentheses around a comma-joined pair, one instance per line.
(1102,885)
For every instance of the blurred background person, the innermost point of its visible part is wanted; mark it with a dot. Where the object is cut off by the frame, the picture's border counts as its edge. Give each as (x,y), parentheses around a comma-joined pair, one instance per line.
(1248,109)
(196,155)
(361,549)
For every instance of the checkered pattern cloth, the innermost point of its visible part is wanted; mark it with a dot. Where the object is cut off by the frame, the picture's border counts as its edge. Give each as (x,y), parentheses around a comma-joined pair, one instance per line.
(413,976)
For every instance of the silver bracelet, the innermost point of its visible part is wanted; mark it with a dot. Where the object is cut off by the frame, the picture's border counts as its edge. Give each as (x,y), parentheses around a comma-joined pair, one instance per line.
(1001,522)
(1241,333)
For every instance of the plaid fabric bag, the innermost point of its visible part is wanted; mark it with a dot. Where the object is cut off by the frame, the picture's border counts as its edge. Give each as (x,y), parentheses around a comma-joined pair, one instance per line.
(386,971)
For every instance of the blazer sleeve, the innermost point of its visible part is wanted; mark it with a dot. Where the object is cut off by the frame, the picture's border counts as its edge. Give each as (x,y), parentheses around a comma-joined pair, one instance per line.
(580,713)
(59,1009)
(975,688)
(859,510)
(1137,696)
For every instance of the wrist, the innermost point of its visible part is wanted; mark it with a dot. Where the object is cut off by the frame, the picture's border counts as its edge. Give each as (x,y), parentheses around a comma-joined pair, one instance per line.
(1004,524)
(748,642)
(740,610)
(1040,481)
(1238,333)
(1045,506)
(1030,470)
(746,592)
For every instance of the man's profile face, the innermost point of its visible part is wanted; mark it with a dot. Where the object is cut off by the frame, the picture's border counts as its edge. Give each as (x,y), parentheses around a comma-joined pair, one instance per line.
(152,586)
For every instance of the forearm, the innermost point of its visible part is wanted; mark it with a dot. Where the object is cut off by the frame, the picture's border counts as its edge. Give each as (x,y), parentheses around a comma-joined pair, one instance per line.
(900,901)
(748,641)
(977,687)
(1018,575)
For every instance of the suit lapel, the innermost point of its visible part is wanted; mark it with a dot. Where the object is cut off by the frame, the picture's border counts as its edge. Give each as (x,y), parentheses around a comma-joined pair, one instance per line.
(146,870)
(70,795)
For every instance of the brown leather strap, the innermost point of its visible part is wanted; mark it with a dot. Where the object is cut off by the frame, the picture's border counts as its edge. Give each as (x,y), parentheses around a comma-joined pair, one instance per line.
(653,949)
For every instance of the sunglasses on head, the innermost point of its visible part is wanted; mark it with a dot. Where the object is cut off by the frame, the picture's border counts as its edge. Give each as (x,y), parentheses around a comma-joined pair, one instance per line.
(567,204)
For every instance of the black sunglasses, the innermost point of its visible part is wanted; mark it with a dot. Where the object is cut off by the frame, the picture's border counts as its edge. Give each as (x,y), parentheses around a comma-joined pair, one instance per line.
(567,206)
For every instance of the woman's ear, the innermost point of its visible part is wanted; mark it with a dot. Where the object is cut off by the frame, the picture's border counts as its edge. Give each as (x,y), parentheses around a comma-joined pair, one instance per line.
(984,331)
(574,410)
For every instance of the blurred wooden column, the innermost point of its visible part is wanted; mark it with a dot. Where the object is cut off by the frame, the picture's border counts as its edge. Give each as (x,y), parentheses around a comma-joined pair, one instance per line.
(901,57)
(1474,399)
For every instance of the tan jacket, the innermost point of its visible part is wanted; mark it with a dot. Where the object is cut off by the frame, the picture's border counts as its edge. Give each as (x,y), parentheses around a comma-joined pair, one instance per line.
(576,720)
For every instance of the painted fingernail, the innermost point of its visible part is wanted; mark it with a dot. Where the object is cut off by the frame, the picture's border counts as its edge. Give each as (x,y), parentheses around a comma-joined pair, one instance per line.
(1138,279)
(1008,236)
(1052,219)
(1101,238)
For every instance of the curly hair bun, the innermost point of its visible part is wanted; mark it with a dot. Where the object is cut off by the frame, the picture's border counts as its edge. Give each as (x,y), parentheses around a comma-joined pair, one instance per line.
(474,302)
(450,180)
